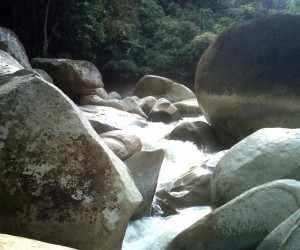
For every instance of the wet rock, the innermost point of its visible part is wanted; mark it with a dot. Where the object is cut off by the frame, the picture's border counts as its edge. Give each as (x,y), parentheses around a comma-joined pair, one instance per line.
(259,88)
(10,242)
(122,143)
(8,65)
(73,77)
(104,119)
(144,168)
(98,101)
(197,132)
(243,222)
(266,155)
(164,111)
(160,87)
(11,44)
(188,108)
(59,182)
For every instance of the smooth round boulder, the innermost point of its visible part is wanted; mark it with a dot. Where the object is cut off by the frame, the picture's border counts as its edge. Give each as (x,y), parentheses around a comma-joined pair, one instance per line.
(73,77)
(248,78)
(266,155)
(147,103)
(130,105)
(243,222)
(161,87)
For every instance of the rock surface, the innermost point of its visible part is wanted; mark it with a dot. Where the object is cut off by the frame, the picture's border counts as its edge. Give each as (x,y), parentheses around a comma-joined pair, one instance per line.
(8,65)
(10,43)
(144,168)
(160,87)
(164,111)
(197,132)
(104,119)
(266,155)
(247,82)
(10,242)
(243,222)
(285,235)
(59,182)
(122,143)
(73,77)
(188,108)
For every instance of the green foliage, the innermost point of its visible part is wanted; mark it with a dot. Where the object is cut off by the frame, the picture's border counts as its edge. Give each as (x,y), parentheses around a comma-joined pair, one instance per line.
(133,37)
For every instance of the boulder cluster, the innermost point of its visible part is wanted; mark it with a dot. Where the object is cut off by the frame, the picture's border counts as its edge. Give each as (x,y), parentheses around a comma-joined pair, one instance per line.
(72,174)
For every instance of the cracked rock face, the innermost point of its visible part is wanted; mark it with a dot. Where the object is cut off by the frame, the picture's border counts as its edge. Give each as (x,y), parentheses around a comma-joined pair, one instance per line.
(59,182)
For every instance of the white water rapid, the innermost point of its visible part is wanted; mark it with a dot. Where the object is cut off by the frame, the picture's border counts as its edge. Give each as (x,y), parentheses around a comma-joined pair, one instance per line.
(154,233)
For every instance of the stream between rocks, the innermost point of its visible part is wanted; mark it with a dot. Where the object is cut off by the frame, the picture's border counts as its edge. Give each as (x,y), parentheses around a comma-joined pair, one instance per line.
(155,232)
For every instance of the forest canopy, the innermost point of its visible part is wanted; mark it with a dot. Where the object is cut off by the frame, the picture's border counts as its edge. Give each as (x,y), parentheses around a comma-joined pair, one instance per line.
(130,38)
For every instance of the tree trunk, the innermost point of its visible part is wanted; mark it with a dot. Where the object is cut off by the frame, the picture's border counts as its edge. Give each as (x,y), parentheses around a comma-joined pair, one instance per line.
(45,30)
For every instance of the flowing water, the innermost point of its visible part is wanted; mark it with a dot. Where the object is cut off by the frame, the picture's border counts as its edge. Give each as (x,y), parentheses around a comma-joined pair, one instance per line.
(154,233)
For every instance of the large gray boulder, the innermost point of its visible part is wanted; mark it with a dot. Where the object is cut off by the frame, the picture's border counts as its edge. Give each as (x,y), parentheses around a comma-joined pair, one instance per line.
(10,242)
(73,77)
(284,236)
(144,168)
(59,182)
(8,65)
(268,154)
(248,78)
(243,222)
(10,43)
(161,87)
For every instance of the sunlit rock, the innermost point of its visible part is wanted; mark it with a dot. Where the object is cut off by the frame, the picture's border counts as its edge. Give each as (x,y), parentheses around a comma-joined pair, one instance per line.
(188,108)
(243,222)
(42,73)
(147,103)
(8,65)
(266,155)
(104,119)
(164,111)
(73,77)
(10,242)
(122,143)
(101,92)
(59,182)
(190,189)
(248,78)
(197,132)
(144,168)
(10,43)
(161,87)
(114,95)
(130,105)
(284,236)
